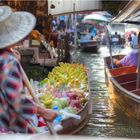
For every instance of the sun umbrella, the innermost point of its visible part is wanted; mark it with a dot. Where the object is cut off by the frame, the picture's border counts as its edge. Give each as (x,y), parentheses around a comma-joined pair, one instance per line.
(95,18)
(103,13)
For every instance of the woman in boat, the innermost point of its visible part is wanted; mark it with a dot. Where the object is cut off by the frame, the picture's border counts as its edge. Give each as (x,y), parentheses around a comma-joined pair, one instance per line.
(130,59)
(16,110)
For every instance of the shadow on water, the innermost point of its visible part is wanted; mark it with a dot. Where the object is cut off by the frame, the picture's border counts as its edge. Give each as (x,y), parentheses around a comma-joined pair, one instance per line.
(107,119)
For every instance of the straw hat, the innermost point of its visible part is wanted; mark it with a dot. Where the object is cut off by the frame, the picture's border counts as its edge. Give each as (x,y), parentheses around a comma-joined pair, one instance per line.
(14,26)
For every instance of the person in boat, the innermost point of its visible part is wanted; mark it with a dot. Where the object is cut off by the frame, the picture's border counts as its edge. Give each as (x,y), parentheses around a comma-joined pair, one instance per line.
(85,37)
(130,59)
(115,39)
(93,31)
(16,109)
(134,40)
(129,40)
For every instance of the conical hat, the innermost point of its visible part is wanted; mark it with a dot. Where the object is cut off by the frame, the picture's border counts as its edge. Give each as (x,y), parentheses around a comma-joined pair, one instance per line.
(14,26)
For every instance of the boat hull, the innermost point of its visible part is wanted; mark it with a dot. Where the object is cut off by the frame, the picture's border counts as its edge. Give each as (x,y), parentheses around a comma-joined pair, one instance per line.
(121,83)
(90,46)
(125,99)
(72,126)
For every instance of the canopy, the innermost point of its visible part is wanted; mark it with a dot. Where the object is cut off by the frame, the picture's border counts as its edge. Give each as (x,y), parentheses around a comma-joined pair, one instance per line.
(104,13)
(70,6)
(130,13)
(95,18)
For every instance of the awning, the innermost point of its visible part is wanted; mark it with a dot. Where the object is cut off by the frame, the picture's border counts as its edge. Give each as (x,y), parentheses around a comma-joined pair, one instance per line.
(70,6)
(130,13)
(134,18)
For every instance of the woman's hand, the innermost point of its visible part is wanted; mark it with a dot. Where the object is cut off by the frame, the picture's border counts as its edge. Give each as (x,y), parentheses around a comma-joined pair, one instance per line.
(48,114)
(116,62)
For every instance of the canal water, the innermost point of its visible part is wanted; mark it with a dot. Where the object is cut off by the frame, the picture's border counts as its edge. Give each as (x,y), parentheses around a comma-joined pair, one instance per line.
(107,119)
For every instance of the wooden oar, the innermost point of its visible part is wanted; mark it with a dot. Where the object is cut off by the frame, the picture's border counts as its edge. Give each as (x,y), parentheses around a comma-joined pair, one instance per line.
(31,91)
(109,45)
(138,70)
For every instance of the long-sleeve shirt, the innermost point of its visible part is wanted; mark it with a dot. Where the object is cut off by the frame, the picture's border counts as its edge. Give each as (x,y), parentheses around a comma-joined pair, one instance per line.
(16,109)
(130,59)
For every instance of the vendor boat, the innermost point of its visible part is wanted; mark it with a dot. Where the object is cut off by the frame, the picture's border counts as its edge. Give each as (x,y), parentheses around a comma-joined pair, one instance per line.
(90,45)
(123,82)
(74,121)
(72,125)
(122,85)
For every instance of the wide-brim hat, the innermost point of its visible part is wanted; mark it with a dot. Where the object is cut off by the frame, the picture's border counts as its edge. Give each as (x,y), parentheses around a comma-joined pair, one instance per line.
(14,26)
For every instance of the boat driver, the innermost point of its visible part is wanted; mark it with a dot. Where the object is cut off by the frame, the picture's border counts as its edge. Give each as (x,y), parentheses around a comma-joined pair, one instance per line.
(130,59)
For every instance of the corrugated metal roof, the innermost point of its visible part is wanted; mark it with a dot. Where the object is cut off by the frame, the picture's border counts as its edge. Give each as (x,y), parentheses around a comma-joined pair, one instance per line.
(130,13)
(134,18)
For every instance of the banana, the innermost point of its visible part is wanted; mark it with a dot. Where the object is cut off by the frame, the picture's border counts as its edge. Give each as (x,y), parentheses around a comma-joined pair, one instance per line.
(49,97)
(66,73)
(46,97)
(47,102)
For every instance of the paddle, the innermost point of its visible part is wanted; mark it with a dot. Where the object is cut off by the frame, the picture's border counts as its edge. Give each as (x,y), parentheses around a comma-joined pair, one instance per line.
(138,71)
(31,91)
(109,45)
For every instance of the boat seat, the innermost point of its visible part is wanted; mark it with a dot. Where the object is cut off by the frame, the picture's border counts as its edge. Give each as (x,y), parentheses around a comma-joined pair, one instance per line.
(130,85)
(123,70)
(137,92)
(126,78)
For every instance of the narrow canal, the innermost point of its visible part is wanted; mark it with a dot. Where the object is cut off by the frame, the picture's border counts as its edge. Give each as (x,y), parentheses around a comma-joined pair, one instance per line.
(107,119)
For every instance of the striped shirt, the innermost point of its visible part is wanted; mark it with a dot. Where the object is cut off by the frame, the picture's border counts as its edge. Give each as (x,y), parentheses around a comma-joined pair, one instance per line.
(16,109)
(131,59)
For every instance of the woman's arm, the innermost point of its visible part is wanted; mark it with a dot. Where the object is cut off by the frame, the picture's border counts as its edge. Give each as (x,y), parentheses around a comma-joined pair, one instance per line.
(117,62)
(48,114)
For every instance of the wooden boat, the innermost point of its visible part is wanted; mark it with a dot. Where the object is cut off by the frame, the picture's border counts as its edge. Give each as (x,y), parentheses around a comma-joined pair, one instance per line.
(121,83)
(90,46)
(71,125)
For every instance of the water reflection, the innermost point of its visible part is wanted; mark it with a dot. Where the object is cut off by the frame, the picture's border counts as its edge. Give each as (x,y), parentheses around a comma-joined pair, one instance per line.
(107,119)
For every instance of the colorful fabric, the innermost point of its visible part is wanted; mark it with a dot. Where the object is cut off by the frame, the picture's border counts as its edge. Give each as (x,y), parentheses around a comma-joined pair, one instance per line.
(16,109)
(131,59)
